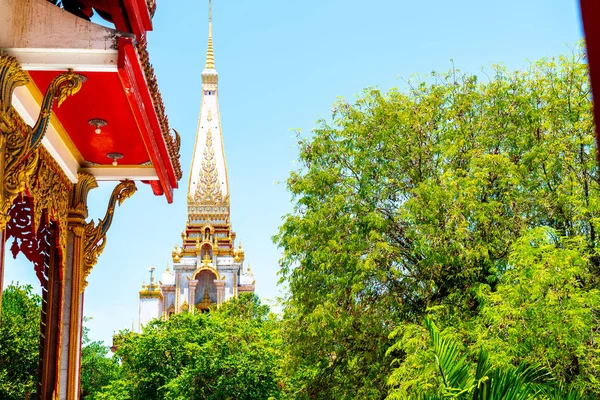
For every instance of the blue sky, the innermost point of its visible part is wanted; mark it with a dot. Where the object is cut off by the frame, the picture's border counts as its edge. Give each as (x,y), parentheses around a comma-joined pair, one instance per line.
(281,66)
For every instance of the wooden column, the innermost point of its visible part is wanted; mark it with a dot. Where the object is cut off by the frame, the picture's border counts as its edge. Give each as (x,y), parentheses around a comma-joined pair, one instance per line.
(85,242)
(50,322)
(26,167)
(72,316)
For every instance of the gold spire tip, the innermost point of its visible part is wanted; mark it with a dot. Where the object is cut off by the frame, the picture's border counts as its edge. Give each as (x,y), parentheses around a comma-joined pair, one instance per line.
(210,55)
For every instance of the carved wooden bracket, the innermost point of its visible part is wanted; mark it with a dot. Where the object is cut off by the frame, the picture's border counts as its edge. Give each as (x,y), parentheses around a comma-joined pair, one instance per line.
(95,235)
(19,141)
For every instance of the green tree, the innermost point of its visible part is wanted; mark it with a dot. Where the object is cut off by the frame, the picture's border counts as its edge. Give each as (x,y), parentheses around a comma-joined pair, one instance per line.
(19,342)
(97,370)
(456,381)
(230,353)
(545,310)
(409,202)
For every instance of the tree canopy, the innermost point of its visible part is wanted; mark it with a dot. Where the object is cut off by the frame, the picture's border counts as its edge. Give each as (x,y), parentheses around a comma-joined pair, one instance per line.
(422,202)
(443,244)
(19,342)
(230,353)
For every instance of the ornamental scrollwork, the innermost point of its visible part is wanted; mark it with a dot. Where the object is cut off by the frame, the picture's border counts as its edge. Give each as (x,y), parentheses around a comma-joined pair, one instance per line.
(20,141)
(151,4)
(11,77)
(209,189)
(50,190)
(177,142)
(34,245)
(95,235)
(30,215)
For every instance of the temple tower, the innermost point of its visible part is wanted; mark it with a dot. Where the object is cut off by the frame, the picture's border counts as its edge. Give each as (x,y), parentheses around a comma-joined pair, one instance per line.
(208,268)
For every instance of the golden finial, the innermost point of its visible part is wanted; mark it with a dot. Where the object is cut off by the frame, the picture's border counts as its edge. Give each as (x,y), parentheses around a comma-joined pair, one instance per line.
(210,55)
(151,286)
(176,254)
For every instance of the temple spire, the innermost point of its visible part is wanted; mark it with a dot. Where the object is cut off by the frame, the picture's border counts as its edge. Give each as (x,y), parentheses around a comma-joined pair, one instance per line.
(208,172)
(210,55)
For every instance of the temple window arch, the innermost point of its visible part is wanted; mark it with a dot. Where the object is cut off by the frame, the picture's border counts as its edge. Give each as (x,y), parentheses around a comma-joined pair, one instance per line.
(184,307)
(206,250)
(206,290)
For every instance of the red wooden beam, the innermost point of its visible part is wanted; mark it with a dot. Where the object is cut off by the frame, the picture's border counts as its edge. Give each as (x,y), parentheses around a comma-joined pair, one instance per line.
(128,15)
(135,85)
(138,16)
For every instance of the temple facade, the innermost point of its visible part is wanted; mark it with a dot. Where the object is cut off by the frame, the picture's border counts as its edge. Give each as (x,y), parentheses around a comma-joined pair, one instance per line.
(79,104)
(208,267)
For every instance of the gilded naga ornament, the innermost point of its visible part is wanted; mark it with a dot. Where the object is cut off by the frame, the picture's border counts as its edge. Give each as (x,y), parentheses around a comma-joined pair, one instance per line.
(95,235)
(19,141)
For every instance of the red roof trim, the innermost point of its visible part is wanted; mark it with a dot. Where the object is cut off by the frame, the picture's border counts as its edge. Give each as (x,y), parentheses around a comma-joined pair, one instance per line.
(140,100)
(139,17)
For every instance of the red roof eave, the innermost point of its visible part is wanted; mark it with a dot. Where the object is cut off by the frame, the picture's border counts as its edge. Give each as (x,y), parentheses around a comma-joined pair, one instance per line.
(139,17)
(135,86)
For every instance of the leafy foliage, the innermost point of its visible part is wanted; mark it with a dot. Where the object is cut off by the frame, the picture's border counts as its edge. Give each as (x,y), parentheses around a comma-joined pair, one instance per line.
(521,383)
(229,353)
(97,370)
(472,203)
(546,309)
(19,342)
(411,203)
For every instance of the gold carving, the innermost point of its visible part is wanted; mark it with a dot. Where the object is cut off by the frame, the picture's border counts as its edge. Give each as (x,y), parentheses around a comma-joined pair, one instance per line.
(206,303)
(144,293)
(11,77)
(177,253)
(79,211)
(21,142)
(50,190)
(238,254)
(177,142)
(209,189)
(95,236)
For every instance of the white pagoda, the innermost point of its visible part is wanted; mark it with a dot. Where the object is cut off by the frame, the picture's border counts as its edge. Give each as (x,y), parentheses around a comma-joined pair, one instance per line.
(208,269)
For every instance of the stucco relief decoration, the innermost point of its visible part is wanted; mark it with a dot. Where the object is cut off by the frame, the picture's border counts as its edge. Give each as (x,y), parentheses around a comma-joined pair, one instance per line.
(209,190)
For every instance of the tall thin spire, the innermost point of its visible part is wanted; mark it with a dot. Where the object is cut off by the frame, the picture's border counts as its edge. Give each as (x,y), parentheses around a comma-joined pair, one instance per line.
(210,55)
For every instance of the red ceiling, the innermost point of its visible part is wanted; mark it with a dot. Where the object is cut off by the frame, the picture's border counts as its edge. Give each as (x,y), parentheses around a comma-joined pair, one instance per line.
(101,96)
